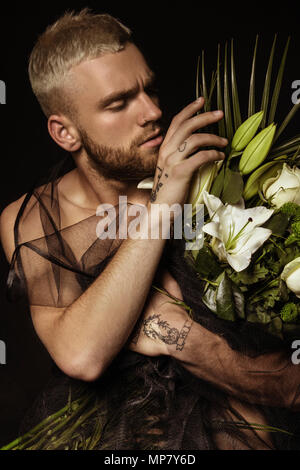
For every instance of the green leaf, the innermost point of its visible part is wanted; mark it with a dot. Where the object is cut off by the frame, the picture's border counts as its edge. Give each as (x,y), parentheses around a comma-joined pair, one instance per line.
(221,124)
(227,101)
(285,147)
(251,100)
(278,84)
(255,273)
(263,317)
(211,88)
(197,78)
(204,87)
(233,187)
(206,264)
(278,223)
(239,301)
(287,120)
(225,299)
(218,183)
(235,97)
(283,291)
(209,299)
(266,91)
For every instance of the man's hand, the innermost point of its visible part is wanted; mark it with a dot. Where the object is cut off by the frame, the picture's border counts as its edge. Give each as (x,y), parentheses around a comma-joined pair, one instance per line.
(163,325)
(180,154)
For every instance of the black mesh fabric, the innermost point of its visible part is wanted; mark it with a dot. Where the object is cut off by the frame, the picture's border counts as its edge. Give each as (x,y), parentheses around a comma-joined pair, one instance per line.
(142,402)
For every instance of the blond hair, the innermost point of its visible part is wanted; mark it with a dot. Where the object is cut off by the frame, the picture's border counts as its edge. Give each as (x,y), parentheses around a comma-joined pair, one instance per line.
(72,39)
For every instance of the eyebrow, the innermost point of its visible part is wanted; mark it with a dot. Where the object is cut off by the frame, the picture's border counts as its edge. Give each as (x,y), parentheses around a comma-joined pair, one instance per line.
(125,94)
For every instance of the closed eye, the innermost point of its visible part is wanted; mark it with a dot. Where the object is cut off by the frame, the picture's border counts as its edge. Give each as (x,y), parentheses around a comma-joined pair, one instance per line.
(118,107)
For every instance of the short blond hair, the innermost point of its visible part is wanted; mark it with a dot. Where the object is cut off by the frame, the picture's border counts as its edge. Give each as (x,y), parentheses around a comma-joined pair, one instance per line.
(72,39)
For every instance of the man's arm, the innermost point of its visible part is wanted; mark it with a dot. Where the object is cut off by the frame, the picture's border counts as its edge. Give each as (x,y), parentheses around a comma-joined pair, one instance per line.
(269,379)
(84,337)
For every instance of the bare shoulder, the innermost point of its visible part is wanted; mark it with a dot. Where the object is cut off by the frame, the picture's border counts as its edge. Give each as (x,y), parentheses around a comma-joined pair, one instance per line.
(7,221)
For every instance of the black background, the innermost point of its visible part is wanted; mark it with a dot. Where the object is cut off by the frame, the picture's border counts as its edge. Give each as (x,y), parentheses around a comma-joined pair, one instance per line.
(171,36)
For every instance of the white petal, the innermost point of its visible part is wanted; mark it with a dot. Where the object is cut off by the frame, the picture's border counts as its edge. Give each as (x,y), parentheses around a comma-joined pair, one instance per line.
(212,203)
(147,183)
(254,241)
(259,215)
(239,262)
(212,228)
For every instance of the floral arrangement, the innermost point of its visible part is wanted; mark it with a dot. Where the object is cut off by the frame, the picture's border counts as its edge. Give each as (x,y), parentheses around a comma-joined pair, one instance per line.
(250,259)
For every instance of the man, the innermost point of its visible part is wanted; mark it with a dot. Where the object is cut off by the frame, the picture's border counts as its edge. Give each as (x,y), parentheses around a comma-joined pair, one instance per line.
(96,90)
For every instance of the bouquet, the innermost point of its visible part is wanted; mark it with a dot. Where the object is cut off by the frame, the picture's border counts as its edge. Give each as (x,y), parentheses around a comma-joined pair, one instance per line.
(250,257)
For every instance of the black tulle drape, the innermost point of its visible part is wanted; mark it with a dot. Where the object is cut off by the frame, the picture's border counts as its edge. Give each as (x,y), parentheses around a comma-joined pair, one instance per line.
(140,402)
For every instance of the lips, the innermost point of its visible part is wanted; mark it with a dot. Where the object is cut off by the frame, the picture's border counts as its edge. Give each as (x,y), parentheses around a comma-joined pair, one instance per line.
(155,139)
(154,142)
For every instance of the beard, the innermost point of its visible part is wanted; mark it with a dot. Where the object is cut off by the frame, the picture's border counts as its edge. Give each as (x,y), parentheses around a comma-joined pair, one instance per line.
(121,164)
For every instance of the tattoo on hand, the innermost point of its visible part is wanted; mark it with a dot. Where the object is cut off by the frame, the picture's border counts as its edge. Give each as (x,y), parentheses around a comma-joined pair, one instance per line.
(182,147)
(155,328)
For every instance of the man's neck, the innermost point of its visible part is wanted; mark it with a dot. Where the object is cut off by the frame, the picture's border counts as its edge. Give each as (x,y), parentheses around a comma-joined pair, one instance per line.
(86,188)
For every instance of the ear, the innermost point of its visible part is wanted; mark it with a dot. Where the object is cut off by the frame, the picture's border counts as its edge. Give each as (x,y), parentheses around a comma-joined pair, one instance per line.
(64,133)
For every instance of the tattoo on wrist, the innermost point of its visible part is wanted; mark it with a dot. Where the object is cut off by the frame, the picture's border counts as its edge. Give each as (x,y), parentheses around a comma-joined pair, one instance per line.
(158,185)
(155,328)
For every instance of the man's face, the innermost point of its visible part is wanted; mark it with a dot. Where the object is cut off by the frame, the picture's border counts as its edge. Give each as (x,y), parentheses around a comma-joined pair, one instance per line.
(117,114)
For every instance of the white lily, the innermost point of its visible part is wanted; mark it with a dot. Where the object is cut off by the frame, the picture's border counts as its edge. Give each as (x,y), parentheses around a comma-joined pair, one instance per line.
(235,230)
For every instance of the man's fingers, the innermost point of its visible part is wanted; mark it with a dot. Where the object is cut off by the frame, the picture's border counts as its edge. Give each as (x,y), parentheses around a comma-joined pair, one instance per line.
(191,164)
(192,125)
(189,111)
(195,142)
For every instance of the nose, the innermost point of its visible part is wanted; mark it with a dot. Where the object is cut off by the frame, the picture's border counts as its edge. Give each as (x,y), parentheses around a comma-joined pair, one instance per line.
(150,110)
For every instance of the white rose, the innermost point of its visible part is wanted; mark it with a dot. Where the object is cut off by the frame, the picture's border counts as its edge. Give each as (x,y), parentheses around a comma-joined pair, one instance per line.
(291,276)
(284,187)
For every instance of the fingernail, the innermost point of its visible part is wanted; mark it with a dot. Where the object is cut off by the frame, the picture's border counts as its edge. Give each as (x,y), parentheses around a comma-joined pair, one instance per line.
(198,100)
(217,113)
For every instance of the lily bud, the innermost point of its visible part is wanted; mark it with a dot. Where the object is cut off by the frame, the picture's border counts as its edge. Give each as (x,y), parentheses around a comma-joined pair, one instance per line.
(246,131)
(257,150)
(257,178)
(202,181)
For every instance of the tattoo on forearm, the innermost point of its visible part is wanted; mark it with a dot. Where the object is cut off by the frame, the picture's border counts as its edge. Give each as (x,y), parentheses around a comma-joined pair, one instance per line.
(155,328)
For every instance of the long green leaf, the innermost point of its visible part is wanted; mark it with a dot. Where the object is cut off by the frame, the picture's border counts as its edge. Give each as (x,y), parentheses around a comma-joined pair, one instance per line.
(287,152)
(204,87)
(251,100)
(287,144)
(278,84)
(212,87)
(221,124)
(287,120)
(197,78)
(235,97)
(227,102)
(266,91)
